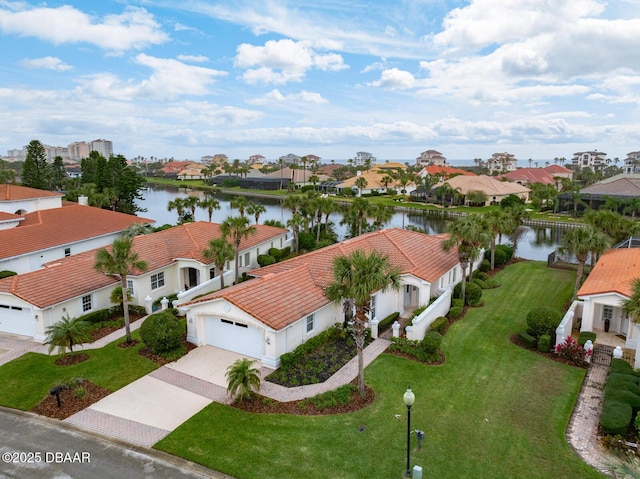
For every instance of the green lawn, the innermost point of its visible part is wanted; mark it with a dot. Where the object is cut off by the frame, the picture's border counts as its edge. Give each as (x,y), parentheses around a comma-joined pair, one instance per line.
(28,379)
(493,410)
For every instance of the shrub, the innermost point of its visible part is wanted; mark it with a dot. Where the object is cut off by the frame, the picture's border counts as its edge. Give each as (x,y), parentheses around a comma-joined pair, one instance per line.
(544,343)
(479,282)
(615,378)
(336,397)
(431,342)
(508,250)
(5,273)
(620,366)
(266,260)
(615,417)
(162,332)
(528,340)
(626,397)
(543,321)
(585,336)
(276,253)
(388,321)
(480,275)
(500,257)
(412,348)
(571,350)
(306,241)
(96,316)
(636,424)
(439,324)
(485,265)
(473,294)
(455,312)
(457,302)
(491,283)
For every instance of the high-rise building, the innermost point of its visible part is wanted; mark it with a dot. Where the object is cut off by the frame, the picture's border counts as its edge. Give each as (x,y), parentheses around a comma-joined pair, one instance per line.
(104,147)
(79,150)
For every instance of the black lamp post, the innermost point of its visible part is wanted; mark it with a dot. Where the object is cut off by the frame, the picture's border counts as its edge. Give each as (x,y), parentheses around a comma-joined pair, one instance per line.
(408,398)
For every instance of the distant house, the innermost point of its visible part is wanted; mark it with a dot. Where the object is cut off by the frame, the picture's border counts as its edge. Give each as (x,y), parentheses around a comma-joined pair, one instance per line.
(494,190)
(32,301)
(527,176)
(431,157)
(362,158)
(558,171)
(290,159)
(192,172)
(604,290)
(285,305)
(501,163)
(619,187)
(632,163)
(443,172)
(377,179)
(171,168)
(256,159)
(595,160)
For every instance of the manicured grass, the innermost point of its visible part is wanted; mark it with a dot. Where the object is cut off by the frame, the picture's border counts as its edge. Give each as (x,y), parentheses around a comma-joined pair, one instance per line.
(493,410)
(29,378)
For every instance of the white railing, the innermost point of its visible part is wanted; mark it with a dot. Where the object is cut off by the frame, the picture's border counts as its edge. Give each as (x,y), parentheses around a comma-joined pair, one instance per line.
(208,286)
(422,322)
(563,331)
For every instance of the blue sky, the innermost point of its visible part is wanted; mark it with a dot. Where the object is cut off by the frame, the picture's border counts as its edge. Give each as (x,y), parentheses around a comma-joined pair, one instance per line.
(170,78)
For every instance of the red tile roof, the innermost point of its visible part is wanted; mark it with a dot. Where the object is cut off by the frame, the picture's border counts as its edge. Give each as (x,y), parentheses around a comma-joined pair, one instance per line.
(529,175)
(74,276)
(284,292)
(71,223)
(557,169)
(613,273)
(16,192)
(435,170)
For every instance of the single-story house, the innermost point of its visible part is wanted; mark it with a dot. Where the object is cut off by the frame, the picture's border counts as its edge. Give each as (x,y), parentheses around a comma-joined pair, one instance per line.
(285,304)
(32,301)
(494,190)
(604,290)
(37,227)
(526,176)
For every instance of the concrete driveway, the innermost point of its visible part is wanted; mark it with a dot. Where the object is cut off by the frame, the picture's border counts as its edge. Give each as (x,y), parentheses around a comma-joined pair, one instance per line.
(148,409)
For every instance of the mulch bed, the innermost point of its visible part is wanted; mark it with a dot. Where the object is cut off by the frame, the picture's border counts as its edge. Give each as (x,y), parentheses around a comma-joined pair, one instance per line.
(70,404)
(126,345)
(515,339)
(263,405)
(71,359)
(156,358)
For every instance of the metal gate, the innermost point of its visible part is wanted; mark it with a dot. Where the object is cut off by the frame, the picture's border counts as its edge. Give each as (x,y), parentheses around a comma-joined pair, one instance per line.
(602,355)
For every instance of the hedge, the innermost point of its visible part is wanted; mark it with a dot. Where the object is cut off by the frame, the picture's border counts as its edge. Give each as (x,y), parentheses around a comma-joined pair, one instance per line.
(439,324)
(388,321)
(431,342)
(585,336)
(543,321)
(626,397)
(616,417)
(6,273)
(620,366)
(266,260)
(544,343)
(473,294)
(528,340)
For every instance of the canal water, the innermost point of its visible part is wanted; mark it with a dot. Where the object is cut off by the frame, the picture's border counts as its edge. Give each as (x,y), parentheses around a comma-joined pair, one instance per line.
(536,244)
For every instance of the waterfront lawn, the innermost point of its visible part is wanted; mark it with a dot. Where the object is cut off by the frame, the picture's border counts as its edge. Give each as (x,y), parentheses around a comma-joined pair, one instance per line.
(493,410)
(29,378)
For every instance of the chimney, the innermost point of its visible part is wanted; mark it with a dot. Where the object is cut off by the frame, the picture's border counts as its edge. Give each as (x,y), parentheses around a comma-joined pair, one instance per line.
(83,200)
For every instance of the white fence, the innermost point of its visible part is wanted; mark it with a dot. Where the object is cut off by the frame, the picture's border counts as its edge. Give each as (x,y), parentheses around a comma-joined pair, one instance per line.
(563,331)
(420,324)
(206,287)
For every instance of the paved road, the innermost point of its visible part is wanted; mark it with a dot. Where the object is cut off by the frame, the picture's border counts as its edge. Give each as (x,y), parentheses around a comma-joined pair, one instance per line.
(31,447)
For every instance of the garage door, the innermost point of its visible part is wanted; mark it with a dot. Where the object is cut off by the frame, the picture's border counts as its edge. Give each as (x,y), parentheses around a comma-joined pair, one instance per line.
(234,336)
(16,320)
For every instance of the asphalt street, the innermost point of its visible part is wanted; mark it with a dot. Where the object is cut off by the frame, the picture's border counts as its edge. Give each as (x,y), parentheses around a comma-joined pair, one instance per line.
(34,447)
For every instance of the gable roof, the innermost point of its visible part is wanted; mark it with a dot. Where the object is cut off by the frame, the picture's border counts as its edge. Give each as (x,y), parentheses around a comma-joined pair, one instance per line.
(73,276)
(529,175)
(490,186)
(613,273)
(446,171)
(10,192)
(44,229)
(557,169)
(618,185)
(284,292)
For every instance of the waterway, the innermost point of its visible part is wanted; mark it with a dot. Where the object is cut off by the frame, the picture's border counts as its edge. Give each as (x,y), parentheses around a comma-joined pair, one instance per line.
(536,244)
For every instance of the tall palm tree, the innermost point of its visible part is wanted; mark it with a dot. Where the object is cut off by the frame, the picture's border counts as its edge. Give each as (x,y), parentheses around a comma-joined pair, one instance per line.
(243,378)
(220,251)
(380,214)
(240,203)
(256,210)
(209,204)
(191,202)
(468,235)
(294,203)
(579,242)
(361,183)
(296,222)
(177,204)
(356,277)
(234,229)
(67,332)
(118,261)
(499,222)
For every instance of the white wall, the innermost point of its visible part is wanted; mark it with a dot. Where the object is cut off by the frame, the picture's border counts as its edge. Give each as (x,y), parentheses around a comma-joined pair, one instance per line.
(31,204)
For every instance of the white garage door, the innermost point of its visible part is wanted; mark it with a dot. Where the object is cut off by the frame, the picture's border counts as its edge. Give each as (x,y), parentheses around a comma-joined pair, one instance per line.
(16,320)
(234,336)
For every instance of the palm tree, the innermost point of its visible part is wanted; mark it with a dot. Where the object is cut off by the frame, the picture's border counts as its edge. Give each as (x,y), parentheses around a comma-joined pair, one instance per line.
(256,210)
(578,242)
(235,228)
(294,203)
(136,229)
(220,251)
(192,202)
(209,204)
(240,203)
(380,214)
(361,183)
(179,205)
(296,222)
(118,261)
(356,277)
(386,180)
(67,332)
(314,179)
(243,378)
(499,222)
(468,235)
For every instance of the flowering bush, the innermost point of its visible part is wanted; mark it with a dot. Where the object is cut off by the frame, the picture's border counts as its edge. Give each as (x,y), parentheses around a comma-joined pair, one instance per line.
(570,349)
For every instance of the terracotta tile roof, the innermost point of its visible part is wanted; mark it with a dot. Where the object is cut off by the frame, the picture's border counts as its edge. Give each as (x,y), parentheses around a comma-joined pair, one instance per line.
(613,273)
(447,171)
(9,216)
(557,169)
(529,175)
(59,226)
(373,178)
(619,185)
(73,276)
(490,186)
(287,291)
(16,192)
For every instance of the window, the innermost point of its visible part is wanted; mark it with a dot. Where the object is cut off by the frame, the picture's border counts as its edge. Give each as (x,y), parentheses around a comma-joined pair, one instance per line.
(247,259)
(239,261)
(310,323)
(607,313)
(130,286)
(67,252)
(157,280)
(212,273)
(86,303)
(373,307)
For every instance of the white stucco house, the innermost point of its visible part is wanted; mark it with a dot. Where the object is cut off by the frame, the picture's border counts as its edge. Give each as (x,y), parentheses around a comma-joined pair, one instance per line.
(32,301)
(604,290)
(285,304)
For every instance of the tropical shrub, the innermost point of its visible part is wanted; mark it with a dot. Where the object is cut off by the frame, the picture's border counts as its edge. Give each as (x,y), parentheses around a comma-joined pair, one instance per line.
(266,260)
(431,342)
(528,340)
(620,366)
(439,324)
(544,343)
(508,250)
(306,241)
(243,378)
(6,274)
(500,258)
(276,253)
(473,294)
(455,312)
(543,321)
(162,332)
(480,275)
(570,349)
(615,417)
(485,265)
(67,333)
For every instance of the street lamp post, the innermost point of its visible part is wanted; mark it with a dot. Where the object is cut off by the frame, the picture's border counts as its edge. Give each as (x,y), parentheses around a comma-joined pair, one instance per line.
(408,398)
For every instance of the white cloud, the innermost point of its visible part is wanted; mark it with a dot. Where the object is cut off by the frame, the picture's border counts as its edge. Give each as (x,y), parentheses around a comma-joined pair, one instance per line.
(282,61)
(193,58)
(275,96)
(135,28)
(395,79)
(47,63)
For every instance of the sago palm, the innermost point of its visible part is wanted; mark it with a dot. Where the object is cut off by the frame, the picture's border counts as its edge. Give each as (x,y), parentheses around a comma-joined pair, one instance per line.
(66,333)
(243,379)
